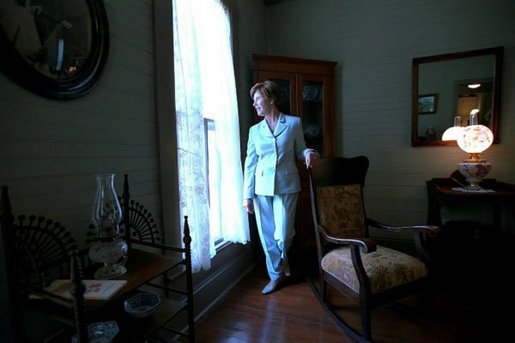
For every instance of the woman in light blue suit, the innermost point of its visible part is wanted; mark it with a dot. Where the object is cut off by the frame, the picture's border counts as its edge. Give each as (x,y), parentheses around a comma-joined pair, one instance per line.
(271,181)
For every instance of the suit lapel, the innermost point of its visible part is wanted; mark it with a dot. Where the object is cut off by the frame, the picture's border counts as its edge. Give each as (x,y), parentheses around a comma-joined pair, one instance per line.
(281,125)
(264,130)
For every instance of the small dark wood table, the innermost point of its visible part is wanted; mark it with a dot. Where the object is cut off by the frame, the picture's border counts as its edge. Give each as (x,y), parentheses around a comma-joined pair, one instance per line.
(444,191)
(474,246)
(142,266)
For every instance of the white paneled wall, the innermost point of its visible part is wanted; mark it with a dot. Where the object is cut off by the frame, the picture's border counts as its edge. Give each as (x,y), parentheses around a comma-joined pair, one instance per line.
(374,43)
(50,150)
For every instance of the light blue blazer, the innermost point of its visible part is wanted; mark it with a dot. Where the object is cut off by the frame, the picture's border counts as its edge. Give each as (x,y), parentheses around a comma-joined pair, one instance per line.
(270,165)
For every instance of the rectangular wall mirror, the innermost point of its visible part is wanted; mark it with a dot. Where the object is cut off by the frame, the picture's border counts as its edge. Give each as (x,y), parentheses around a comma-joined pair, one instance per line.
(449,85)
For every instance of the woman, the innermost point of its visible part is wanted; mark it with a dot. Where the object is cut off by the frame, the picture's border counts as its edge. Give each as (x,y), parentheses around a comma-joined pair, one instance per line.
(271,181)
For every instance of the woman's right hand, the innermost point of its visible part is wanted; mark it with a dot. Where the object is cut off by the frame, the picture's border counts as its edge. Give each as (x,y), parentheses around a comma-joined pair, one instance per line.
(248,205)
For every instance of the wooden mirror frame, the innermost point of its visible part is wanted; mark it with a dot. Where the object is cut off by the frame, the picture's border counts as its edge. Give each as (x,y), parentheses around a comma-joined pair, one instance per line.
(90,19)
(497,54)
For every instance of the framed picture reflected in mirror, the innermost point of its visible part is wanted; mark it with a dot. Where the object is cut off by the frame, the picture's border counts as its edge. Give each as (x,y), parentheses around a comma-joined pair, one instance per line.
(427,103)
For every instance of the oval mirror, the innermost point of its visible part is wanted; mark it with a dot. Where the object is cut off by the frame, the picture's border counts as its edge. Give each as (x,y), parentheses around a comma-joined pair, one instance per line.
(57,49)
(450,85)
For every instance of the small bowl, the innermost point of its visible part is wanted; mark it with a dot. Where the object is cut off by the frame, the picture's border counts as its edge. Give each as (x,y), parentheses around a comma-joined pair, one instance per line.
(100,332)
(142,304)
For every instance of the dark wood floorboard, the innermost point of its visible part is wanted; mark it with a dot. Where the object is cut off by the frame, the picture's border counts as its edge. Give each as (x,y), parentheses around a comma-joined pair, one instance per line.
(294,314)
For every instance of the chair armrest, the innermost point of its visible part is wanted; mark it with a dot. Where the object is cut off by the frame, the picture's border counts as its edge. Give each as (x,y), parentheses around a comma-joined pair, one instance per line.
(421,233)
(415,228)
(367,245)
(164,247)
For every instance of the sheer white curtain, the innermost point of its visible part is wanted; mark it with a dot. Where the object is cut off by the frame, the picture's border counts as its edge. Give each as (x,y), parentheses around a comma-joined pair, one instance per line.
(205,87)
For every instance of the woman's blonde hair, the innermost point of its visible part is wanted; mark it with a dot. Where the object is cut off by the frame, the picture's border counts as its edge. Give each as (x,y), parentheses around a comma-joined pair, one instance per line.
(268,89)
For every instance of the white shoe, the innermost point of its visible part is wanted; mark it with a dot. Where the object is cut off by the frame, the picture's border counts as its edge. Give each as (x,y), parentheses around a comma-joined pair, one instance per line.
(273,285)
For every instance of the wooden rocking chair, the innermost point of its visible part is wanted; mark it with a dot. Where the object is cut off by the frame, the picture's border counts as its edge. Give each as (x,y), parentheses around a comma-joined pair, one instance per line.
(364,272)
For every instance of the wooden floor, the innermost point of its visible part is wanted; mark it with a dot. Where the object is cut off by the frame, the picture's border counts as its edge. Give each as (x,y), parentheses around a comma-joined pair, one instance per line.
(463,311)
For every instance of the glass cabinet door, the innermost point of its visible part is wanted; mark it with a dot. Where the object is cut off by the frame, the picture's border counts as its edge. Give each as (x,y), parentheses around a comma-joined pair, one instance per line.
(312,111)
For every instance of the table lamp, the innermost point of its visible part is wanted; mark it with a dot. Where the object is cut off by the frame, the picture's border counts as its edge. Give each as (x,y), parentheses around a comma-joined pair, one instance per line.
(109,247)
(452,133)
(474,139)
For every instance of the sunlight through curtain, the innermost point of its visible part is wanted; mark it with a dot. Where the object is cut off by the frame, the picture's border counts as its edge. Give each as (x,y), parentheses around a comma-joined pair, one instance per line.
(205,88)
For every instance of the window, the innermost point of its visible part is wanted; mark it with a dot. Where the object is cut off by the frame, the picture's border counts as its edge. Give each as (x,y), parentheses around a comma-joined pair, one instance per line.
(210,171)
(213,170)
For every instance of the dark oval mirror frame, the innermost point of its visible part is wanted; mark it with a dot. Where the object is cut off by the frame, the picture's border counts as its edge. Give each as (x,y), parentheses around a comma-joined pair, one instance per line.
(18,68)
(496,53)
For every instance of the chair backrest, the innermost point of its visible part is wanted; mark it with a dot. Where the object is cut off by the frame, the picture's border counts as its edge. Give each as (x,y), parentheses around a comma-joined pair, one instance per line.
(39,248)
(336,189)
(140,222)
(38,251)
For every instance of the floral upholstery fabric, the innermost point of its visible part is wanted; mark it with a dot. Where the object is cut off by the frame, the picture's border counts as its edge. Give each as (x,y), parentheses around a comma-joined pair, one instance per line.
(340,209)
(386,268)
(341,213)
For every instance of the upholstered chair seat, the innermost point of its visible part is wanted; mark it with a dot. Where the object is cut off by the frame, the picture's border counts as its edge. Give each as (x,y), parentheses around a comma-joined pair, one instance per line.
(386,268)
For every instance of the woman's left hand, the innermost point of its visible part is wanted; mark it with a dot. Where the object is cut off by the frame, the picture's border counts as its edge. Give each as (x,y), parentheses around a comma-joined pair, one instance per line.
(311,157)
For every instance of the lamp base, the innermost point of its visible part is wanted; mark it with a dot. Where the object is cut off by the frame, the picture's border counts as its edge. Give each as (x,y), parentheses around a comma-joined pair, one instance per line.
(110,272)
(474,172)
(112,254)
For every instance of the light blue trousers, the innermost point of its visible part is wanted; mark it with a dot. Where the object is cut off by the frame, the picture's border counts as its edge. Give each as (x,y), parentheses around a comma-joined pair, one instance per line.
(275,219)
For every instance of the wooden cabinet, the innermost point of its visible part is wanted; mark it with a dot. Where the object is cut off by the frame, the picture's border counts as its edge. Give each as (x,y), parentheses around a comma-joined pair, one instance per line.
(308,87)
